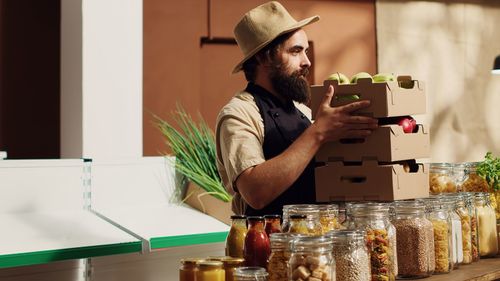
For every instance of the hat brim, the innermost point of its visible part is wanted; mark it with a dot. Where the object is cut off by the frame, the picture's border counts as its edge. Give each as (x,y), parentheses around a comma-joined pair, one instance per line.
(291,28)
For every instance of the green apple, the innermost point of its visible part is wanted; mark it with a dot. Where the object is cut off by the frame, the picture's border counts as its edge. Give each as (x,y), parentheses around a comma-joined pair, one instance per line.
(347,97)
(383,77)
(339,77)
(357,76)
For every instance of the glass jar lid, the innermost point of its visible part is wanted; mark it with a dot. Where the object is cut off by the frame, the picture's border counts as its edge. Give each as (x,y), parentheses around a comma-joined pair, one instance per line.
(251,273)
(408,206)
(206,264)
(311,243)
(345,235)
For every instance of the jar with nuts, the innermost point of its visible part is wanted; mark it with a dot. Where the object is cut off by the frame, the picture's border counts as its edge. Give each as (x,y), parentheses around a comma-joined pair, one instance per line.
(311,259)
(380,238)
(414,231)
(352,260)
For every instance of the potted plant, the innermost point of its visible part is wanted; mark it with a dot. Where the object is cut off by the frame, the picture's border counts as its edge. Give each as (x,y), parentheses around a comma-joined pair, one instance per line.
(193,146)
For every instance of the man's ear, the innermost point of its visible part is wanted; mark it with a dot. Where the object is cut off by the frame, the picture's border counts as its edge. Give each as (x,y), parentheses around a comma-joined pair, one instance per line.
(263,58)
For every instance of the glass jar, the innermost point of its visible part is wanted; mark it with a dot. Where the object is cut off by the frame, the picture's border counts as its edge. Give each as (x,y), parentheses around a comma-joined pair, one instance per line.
(311,259)
(465,221)
(471,208)
(441,223)
(487,234)
(380,237)
(250,273)
(236,236)
(441,178)
(277,265)
(352,260)
(230,264)
(312,217)
(413,231)
(257,246)
(188,268)
(449,202)
(272,224)
(473,182)
(297,224)
(210,271)
(328,217)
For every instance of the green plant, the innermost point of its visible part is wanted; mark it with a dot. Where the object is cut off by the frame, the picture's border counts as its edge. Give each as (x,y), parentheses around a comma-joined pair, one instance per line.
(489,169)
(193,146)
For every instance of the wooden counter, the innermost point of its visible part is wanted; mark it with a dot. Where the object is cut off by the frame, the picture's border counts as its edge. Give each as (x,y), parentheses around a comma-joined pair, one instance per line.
(485,269)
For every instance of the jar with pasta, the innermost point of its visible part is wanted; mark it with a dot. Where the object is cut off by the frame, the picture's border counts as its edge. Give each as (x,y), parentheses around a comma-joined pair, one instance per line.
(277,265)
(352,260)
(487,234)
(311,259)
(441,178)
(469,199)
(465,221)
(473,182)
(413,231)
(380,238)
(441,223)
(250,273)
(311,213)
(449,202)
(328,217)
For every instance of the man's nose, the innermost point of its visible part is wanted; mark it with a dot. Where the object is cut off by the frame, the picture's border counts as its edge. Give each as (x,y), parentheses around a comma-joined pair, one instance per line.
(305,62)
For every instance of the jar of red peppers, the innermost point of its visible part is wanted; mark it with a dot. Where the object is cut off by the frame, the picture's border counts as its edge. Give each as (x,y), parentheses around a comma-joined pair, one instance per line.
(272,224)
(374,219)
(257,246)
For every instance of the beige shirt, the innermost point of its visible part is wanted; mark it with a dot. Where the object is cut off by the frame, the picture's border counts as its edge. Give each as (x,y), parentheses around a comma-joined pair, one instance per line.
(239,138)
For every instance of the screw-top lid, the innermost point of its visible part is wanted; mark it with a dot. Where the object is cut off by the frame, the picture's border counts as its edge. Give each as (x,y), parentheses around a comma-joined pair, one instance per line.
(209,264)
(272,217)
(255,218)
(191,261)
(238,217)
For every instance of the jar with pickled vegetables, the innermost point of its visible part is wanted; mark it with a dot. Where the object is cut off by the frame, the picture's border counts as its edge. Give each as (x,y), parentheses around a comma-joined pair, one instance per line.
(272,224)
(413,231)
(236,237)
(311,259)
(487,234)
(380,237)
(257,246)
(210,271)
(328,217)
(441,223)
(250,273)
(471,209)
(441,178)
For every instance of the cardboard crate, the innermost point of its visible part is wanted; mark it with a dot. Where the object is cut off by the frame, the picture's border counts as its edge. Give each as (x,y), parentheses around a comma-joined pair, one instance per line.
(388,143)
(388,99)
(370,181)
(199,199)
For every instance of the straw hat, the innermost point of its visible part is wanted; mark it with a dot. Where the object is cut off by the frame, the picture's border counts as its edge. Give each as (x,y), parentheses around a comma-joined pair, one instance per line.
(262,25)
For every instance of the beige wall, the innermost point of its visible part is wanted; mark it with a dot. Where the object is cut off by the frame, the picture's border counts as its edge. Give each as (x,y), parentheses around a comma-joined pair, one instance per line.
(451,46)
(178,69)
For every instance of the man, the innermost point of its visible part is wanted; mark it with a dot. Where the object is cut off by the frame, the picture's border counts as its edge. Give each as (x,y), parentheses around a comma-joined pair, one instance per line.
(265,140)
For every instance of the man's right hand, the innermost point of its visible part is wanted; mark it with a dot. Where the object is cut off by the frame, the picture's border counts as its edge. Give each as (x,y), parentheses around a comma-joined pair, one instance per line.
(334,123)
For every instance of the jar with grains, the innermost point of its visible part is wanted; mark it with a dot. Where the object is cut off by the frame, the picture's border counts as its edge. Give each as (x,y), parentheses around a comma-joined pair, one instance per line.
(272,224)
(257,246)
(471,209)
(210,271)
(413,231)
(250,273)
(441,178)
(465,221)
(188,268)
(328,217)
(311,259)
(487,234)
(277,266)
(380,237)
(312,217)
(441,223)
(236,236)
(449,202)
(352,260)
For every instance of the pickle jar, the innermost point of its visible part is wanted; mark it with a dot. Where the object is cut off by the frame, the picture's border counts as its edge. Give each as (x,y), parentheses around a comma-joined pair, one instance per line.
(236,237)
(471,209)
(380,238)
(188,268)
(328,217)
(210,271)
(272,224)
(250,273)
(441,223)
(441,179)
(352,260)
(277,265)
(311,259)
(413,231)
(449,202)
(257,246)
(487,234)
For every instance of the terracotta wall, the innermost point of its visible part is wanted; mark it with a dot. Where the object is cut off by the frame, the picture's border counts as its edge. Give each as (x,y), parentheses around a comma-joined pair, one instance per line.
(178,69)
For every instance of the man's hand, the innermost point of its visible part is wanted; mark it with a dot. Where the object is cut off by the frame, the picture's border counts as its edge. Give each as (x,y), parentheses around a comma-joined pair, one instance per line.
(334,123)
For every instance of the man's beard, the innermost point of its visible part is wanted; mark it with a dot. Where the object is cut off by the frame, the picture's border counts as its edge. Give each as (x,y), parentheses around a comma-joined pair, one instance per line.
(290,86)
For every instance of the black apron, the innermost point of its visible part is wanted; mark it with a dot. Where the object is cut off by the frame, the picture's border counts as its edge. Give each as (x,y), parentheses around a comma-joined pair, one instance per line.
(283,124)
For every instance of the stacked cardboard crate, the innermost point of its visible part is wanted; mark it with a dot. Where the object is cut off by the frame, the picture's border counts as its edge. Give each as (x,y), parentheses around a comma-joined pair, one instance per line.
(381,167)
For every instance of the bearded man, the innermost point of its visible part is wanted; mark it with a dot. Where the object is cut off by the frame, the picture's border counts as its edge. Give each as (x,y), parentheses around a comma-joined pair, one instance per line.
(264,137)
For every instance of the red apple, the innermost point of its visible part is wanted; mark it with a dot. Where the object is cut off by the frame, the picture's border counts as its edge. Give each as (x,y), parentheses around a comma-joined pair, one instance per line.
(408,124)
